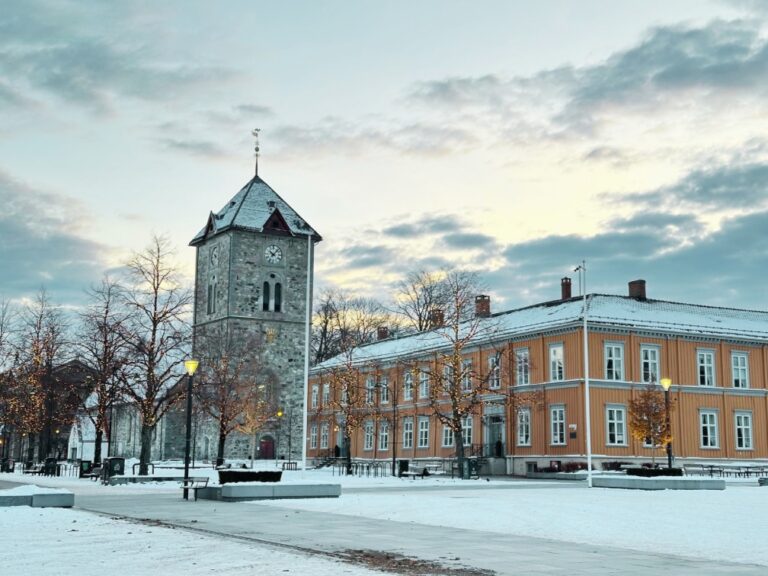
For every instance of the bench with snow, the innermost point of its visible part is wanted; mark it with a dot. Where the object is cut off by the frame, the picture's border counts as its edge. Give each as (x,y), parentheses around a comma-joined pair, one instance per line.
(194,484)
(423,471)
(94,474)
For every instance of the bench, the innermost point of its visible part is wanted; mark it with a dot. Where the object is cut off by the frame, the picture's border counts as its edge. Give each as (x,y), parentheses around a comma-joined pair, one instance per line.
(290,465)
(194,484)
(94,474)
(36,470)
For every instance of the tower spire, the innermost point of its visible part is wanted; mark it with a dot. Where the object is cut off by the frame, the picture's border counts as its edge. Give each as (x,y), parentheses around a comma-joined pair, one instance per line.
(255,133)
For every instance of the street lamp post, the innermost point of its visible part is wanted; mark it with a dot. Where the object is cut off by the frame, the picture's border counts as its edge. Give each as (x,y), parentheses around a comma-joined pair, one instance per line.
(191,366)
(666,383)
(279,425)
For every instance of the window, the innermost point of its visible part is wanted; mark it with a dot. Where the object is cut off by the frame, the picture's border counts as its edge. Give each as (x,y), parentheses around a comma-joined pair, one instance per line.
(324,436)
(313,436)
(212,293)
(614,361)
(423,384)
(368,436)
(408,387)
(556,366)
(447,437)
(315,391)
(706,362)
(466,375)
(466,430)
(447,378)
(370,391)
(524,427)
(384,390)
(265,297)
(616,423)
(384,436)
(708,419)
(326,394)
(740,369)
(407,432)
(523,367)
(743,430)
(494,371)
(557,420)
(649,364)
(278,297)
(423,432)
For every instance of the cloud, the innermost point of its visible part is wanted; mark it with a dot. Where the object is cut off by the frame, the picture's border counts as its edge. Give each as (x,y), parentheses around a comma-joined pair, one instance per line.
(427,225)
(205,148)
(469,241)
(46,49)
(367,256)
(40,244)
(723,187)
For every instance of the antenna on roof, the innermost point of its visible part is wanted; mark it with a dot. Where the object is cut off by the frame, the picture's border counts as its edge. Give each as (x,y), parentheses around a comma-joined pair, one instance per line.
(255,133)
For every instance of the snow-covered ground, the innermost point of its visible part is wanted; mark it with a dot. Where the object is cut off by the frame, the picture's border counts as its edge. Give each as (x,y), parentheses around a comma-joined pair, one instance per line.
(59,542)
(720,525)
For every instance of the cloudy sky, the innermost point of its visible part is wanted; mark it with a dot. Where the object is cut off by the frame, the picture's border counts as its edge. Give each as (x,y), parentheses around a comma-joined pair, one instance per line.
(514,138)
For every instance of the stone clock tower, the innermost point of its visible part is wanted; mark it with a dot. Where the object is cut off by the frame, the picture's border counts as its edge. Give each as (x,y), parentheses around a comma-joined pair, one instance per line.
(253,258)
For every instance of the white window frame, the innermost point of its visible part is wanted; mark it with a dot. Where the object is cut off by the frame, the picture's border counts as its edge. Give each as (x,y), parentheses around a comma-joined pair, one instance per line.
(370,390)
(408,433)
(326,394)
(384,390)
(708,429)
(522,366)
(423,439)
(556,372)
(447,378)
(742,421)
(408,386)
(705,370)
(740,369)
(447,437)
(315,394)
(650,362)
(383,435)
(467,424)
(494,371)
(423,384)
(557,425)
(613,361)
(324,429)
(616,425)
(368,436)
(466,375)
(313,436)
(524,427)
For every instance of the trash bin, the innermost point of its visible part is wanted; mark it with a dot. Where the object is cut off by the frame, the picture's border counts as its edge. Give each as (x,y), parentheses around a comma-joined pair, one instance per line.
(86,467)
(474,467)
(402,467)
(115,467)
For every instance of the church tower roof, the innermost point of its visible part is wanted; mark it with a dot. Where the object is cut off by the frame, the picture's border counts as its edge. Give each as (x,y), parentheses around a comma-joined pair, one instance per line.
(256,208)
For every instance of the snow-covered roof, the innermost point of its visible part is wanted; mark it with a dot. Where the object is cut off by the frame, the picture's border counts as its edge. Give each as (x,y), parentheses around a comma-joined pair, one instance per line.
(604,310)
(252,208)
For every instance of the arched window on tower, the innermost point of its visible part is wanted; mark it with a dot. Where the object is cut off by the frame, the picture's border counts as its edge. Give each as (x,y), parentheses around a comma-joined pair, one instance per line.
(212,290)
(265,297)
(278,297)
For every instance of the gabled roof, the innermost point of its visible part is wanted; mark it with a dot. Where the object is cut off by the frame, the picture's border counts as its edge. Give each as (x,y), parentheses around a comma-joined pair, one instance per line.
(256,208)
(620,312)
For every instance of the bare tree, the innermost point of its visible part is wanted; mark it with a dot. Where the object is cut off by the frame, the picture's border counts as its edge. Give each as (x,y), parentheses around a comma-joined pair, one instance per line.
(342,322)
(157,336)
(7,370)
(260,407)
(230,378)
(456,387)
(102,347)
(418,294)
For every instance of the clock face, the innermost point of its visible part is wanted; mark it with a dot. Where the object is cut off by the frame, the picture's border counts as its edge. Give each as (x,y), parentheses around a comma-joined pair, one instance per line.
(273,254)
(215,255)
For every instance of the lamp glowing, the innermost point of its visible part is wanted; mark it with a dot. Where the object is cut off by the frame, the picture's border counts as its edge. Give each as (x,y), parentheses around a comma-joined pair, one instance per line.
(191,366)
(666,383)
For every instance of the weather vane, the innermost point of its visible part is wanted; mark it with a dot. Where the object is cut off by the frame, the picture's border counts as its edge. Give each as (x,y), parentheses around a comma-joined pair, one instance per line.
(255,133)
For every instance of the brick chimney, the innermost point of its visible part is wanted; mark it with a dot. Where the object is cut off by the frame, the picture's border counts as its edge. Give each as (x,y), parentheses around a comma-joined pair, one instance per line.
(565,288)
(637,289)
(436,318)
(482,306)
(382,333)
